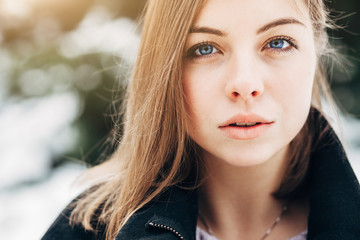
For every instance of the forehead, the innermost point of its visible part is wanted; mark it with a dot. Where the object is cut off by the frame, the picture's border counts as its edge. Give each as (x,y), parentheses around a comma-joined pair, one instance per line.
(244,14)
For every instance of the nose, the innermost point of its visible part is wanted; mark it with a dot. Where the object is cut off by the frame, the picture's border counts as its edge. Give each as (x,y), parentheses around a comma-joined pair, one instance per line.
(244,79)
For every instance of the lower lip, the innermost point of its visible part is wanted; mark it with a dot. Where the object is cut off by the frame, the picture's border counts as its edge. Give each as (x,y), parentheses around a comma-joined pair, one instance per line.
(246,133)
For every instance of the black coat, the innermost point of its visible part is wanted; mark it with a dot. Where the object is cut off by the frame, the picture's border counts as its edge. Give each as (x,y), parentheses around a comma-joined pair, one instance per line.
(334,206)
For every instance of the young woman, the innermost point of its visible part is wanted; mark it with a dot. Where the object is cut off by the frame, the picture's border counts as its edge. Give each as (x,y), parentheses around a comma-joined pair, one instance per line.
(224,136)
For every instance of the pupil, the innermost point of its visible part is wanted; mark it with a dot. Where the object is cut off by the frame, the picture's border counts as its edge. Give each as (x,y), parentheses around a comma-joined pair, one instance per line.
(277,44)
(205,50)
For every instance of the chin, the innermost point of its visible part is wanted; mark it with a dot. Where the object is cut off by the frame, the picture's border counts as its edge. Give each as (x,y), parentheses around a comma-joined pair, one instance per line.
(256,157)
(250,161)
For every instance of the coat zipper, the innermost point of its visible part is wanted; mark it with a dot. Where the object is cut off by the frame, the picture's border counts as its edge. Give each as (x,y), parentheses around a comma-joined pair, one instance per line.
(167,228)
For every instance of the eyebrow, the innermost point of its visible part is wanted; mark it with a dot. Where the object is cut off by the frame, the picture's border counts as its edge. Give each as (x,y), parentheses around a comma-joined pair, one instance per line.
(279,22)
(208,30)
(276,23)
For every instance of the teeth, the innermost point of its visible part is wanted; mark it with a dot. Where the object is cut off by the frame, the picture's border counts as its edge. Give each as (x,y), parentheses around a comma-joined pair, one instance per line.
(245,124)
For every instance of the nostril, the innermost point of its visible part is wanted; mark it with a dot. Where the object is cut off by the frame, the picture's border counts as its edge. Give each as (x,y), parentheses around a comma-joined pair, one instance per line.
(252,94)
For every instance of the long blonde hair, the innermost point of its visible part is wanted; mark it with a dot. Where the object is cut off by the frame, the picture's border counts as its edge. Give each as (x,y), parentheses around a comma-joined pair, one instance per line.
(154,151)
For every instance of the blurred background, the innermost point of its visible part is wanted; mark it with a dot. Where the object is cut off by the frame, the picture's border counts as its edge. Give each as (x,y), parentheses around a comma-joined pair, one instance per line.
(62,68)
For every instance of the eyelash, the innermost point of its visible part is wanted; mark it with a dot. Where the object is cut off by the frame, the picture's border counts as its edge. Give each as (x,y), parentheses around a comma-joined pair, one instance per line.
(192,50)
(292,44)
(289,40)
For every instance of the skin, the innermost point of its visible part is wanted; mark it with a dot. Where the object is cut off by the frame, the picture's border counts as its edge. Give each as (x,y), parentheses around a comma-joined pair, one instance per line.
(246,64)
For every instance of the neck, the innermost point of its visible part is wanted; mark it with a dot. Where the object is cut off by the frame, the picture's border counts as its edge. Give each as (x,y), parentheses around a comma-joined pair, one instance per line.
(237,202)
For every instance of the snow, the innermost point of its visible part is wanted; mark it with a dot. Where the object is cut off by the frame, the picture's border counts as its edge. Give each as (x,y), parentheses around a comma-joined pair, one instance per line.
(34,130)
(97,33)
(31,132)
(351,131)
(28,211)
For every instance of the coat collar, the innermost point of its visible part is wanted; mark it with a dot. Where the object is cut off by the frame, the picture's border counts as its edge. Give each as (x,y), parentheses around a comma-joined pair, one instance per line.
(173,215)
(334,194)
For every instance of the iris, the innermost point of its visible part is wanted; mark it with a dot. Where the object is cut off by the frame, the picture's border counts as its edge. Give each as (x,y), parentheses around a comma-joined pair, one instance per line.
(278,44)
(206,49)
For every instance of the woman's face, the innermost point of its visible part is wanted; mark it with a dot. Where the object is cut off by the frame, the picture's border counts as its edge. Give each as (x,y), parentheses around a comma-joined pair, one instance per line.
(248,75)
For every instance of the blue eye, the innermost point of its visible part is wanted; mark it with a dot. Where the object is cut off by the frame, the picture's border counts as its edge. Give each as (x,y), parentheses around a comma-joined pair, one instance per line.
(205,49)
(279,44)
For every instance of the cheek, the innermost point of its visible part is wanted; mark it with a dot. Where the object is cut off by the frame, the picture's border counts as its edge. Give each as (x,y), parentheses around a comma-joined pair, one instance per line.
(200,88)
(293,92)
(202,91)
(294,83)
(192,95)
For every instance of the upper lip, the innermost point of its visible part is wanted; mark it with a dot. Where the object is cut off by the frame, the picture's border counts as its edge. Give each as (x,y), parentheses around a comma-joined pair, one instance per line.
(245,118)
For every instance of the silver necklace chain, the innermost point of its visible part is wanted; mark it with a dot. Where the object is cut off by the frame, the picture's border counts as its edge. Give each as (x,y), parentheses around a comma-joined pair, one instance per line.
(267,233)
